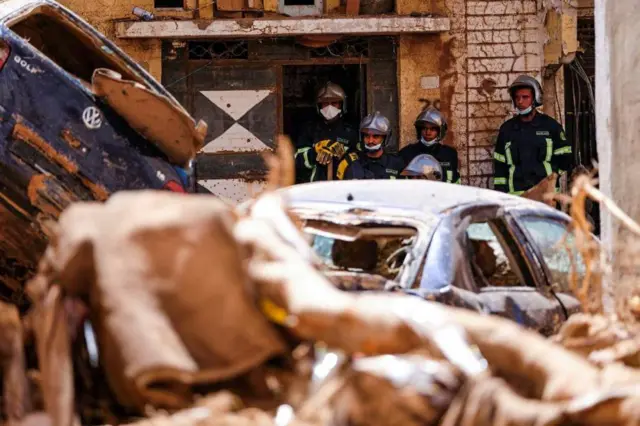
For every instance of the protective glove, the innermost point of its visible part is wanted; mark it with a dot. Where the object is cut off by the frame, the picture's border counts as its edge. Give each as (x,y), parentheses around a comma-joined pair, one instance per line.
(323,158)
(333,148)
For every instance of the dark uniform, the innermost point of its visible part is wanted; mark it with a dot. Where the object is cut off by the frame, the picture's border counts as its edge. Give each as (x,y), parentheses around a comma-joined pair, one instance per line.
(307,169)
(361,166)
(446,156)
(528,152)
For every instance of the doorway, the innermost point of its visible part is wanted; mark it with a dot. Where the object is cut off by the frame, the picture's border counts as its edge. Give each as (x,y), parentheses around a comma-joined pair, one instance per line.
(302,82)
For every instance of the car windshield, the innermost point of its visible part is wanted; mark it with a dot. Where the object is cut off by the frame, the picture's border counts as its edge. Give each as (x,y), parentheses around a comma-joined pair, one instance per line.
(372,248)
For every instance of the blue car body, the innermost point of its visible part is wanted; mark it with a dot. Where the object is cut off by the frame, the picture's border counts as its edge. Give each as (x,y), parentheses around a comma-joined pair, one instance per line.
(59,143)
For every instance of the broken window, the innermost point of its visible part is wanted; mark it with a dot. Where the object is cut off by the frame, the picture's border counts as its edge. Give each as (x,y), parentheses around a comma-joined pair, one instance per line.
(554,243)
(370,249)
(68,44)
(489,261)
(168,4)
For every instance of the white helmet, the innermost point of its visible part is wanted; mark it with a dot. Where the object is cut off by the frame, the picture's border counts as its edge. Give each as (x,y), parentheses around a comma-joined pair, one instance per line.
(331,92)
(531,83)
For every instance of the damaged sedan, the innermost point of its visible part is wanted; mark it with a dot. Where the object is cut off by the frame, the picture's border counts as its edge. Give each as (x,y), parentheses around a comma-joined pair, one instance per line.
(459,245)
(79,120)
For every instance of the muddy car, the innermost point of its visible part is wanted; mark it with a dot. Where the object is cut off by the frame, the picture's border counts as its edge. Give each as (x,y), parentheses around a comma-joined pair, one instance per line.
(79,120)
(463,246)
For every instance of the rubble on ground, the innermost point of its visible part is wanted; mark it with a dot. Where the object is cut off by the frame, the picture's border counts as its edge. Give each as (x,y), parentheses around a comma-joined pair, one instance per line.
(160,309)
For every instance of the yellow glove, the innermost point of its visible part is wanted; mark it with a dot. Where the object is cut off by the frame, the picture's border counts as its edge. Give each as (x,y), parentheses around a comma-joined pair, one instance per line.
(333,148)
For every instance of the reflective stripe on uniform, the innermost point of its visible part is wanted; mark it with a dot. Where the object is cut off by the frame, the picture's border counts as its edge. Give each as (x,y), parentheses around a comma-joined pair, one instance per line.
(500,181)
(516,192)
(499,157)
(512,167)
(313,175)
(305,154)
(563,150)
(449,176)
(342,167)
(547,158)
(458,182)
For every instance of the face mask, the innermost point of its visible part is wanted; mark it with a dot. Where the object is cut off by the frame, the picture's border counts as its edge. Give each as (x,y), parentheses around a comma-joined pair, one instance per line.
(428,143)
(330,112)
(524,111)
(373,148)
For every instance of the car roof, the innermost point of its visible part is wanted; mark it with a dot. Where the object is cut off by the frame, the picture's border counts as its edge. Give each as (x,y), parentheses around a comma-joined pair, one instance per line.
(412,195)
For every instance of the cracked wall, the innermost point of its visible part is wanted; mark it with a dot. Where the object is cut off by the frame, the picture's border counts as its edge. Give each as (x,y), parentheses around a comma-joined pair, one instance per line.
(491,42)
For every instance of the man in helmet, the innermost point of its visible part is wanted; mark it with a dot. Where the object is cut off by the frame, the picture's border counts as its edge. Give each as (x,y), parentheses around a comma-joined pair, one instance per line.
(373,162)
(423,166)
(326,139)
(531,146)
(431,128)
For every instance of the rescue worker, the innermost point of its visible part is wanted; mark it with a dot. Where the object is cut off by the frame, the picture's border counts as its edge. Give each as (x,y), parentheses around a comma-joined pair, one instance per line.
(531,145)
(423,166)
(372,162)
(326,139)
(431,129)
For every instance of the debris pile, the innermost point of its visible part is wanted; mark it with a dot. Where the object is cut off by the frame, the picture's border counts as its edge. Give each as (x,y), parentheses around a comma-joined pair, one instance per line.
(168,309)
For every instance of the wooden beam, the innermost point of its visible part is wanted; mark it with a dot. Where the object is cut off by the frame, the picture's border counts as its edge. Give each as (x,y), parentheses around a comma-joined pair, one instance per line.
(247,28)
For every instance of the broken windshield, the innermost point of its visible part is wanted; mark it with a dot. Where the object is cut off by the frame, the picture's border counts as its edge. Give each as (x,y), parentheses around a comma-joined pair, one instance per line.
(368,248)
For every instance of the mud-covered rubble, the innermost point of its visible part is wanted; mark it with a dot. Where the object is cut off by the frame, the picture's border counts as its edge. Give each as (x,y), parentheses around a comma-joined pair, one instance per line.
(160,308)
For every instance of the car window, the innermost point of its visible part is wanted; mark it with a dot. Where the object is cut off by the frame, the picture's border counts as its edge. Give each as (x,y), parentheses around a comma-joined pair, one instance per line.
(490,265)
(373,250)
(549,235)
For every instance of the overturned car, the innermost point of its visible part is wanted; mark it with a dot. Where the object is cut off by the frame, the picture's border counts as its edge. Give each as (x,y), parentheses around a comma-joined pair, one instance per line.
(79,120)
(463,246)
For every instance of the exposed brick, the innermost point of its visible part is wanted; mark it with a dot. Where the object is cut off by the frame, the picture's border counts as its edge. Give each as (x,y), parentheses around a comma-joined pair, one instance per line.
(495,50)
(516,22)
(481,181)
(481,169)
(483,138)
(527,63)
(498,80)
(481,154)
(476,95)
(490,65)
(502,7)
(485,124)
(489,109)
(503,36)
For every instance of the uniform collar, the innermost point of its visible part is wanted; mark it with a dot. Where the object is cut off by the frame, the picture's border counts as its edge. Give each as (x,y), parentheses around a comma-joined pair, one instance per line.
(536,122)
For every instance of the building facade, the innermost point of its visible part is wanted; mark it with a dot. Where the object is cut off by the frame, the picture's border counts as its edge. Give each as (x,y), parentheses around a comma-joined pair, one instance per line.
(250,67)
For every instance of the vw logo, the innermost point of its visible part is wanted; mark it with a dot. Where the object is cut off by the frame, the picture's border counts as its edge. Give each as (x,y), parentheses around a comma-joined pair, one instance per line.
(92,117)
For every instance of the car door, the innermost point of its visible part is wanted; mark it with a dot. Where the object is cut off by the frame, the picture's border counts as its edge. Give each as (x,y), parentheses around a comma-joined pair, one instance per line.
(555,245)
(505,275)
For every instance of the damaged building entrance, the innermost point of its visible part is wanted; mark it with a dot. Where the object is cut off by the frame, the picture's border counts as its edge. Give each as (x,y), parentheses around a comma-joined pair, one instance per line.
(300,84)
(249,91)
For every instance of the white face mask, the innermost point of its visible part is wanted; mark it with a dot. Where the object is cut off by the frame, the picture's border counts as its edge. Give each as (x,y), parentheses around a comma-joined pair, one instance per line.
(428,143)
(524,111)
(330,112)
(373,148)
